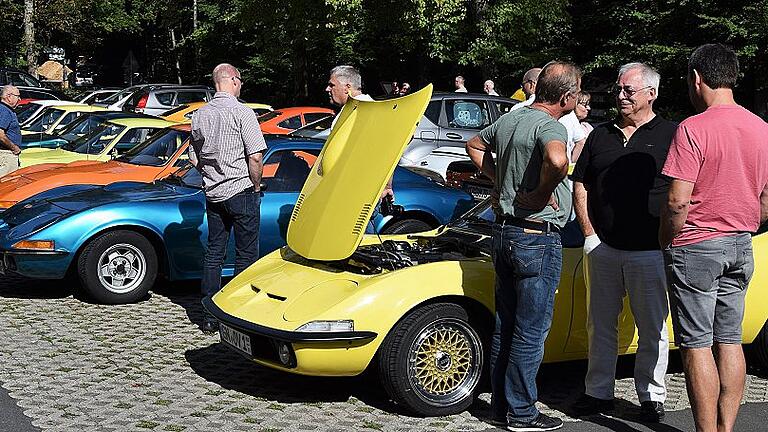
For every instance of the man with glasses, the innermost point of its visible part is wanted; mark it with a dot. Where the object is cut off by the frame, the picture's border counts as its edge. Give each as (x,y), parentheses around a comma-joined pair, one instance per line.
(618,192)
(10,133)
(227,147)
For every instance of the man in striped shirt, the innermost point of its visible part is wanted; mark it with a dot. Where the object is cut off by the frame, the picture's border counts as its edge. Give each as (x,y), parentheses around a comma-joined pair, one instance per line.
(227,147)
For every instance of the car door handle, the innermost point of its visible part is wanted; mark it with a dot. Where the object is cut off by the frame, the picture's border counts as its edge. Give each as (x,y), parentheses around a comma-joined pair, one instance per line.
(453,135)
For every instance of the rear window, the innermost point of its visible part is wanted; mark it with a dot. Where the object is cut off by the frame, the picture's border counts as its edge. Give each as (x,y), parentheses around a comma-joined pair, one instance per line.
(165,98)
(290,123)
(184,97)
(269,116)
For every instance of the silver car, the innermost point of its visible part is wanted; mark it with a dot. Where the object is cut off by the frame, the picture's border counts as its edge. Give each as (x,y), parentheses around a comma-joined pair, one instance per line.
(156,101)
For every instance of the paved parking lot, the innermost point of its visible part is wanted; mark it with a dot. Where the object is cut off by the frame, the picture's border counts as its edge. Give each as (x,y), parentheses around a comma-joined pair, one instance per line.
(74,366)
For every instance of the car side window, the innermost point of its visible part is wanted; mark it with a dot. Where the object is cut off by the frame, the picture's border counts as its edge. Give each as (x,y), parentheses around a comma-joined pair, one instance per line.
(504,107)
(467,114)
(132,138)
(286,170)
(433,111)
(313,117)
(291,123)
(165,98)
(68,118)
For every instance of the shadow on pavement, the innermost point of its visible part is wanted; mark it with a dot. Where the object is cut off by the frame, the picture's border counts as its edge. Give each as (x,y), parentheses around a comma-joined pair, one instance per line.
(19,287)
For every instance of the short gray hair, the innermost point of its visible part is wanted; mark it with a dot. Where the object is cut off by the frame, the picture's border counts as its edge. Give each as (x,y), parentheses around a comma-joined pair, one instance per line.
(348,75)
(223,71)
(4,90)
(650,77)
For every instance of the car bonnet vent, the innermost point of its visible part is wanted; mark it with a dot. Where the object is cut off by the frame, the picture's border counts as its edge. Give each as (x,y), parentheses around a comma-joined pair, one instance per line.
(297,207)
(362,219)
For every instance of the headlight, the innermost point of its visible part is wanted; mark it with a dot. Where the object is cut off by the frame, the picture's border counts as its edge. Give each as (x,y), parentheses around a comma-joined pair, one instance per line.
(328,326)
(43,245)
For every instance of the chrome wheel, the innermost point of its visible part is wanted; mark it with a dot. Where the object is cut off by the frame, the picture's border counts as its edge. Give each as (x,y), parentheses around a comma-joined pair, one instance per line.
(122,268)
(445,362)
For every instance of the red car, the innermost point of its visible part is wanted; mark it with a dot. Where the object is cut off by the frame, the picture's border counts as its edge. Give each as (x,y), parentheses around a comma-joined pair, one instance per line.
(286,120)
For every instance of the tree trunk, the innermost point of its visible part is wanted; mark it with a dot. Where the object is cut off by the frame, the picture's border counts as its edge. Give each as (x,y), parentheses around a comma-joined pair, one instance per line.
(176,55)
(29,36)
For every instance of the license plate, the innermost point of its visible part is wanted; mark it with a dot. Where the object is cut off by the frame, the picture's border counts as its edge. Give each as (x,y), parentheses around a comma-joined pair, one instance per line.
(235,338)
(479,193)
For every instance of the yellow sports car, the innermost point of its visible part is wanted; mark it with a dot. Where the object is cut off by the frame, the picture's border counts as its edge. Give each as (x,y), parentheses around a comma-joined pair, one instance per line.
(183,113)
(419,308)
(56,117)
(111,138)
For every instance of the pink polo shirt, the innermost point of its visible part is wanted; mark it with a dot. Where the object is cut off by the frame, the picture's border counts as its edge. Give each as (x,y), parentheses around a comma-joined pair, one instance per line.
(724,152)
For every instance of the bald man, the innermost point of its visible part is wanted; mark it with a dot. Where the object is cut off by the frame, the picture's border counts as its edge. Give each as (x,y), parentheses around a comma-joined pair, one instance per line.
(227,147)
(10,133)
(488,88)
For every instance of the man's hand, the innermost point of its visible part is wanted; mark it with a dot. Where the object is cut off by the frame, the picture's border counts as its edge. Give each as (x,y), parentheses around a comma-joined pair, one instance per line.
(535,201)
(591,243)
(16,150)
(388,192)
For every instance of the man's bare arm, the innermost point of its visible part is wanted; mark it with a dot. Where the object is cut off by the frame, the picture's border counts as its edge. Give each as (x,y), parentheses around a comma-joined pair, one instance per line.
(580,195)
(255,169)
(578,146)
(675,211)
(554,168)
(480,154)
(8,144)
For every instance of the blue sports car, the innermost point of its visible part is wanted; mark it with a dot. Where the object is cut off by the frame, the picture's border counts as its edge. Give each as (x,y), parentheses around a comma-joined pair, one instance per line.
(118,237)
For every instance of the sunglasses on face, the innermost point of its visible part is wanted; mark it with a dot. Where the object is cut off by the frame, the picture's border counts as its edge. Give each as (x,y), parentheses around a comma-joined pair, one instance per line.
(628,90)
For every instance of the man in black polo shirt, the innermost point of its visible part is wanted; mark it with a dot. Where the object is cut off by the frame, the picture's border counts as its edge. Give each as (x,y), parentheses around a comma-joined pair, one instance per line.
(618,191)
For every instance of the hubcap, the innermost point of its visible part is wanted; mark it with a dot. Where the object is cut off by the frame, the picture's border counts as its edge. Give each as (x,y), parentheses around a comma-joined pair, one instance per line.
(122,268)
(445,361)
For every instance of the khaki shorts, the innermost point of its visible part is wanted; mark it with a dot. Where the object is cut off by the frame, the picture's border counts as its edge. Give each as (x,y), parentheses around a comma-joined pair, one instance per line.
(9,162)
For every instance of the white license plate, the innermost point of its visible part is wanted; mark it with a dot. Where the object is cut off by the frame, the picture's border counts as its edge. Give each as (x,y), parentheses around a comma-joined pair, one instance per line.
(235,338)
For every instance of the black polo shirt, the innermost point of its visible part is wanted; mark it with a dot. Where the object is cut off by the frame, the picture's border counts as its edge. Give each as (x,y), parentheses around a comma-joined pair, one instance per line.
(624,182)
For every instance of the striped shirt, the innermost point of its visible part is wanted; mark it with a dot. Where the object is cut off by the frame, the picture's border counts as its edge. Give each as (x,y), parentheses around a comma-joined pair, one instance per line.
(224,133)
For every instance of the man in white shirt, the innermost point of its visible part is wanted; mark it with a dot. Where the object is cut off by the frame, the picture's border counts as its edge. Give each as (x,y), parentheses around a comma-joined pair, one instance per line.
(488,87)
(459,83)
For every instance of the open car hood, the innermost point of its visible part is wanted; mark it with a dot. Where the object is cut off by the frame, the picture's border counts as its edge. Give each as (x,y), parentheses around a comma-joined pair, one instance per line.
(346,182)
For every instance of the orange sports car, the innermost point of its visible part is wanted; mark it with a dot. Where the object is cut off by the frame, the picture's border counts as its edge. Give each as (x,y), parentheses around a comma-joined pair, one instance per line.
(154,159)
(286,120)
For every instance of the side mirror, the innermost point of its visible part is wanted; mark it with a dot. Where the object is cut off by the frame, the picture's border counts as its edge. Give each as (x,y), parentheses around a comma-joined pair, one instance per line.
(262,186)
(114,154)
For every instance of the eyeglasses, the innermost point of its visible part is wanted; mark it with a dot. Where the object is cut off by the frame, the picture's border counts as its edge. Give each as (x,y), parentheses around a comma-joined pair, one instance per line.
(241,80)
(533,82)
(585,104)
(628,90)
(15,94)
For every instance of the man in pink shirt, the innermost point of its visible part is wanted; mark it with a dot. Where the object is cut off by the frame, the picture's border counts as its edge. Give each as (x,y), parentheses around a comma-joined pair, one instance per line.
(718,163)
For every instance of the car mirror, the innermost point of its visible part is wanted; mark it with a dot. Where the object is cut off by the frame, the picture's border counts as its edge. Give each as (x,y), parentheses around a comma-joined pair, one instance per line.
(114,153)
(262,186)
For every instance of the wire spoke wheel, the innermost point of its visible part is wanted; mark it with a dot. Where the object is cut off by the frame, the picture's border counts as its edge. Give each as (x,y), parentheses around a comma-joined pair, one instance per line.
(445,361)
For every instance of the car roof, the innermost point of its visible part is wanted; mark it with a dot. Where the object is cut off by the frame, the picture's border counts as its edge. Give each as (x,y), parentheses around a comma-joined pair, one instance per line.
(76,107)
(52,102)
(186,127)
(281,142)
(454,95)
(132,122)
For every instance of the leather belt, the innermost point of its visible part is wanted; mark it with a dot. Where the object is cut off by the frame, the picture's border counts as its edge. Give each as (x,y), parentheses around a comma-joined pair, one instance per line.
(542,226)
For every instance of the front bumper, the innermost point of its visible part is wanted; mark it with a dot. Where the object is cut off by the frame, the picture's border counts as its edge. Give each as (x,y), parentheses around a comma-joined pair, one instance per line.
(35,264)
(311,353)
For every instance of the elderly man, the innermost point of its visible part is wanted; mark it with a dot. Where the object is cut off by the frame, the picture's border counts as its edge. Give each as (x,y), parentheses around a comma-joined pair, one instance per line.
(718,162)
(488,88)
(618,192)
(459,83)
(343,83)
(227,147)
(533,203)
(10,133)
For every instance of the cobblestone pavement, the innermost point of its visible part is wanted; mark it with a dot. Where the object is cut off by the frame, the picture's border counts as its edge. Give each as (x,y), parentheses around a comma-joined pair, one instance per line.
(76,366)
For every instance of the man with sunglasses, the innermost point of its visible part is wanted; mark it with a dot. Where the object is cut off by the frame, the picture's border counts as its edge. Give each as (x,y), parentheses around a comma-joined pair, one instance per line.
(618,192)
(227,147)
(10,133)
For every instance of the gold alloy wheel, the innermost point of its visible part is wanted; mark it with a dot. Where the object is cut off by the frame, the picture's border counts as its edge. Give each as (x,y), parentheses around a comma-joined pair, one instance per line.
(445,361)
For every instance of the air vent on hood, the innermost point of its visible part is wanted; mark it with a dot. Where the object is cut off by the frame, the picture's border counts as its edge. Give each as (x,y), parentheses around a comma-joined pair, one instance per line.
(297,207)
(365,213)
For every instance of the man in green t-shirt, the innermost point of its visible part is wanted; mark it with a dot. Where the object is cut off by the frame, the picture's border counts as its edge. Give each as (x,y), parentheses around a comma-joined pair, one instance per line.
(532,202)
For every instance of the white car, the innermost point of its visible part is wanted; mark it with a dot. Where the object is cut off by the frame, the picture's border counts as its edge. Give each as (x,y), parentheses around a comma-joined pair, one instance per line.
(94,96)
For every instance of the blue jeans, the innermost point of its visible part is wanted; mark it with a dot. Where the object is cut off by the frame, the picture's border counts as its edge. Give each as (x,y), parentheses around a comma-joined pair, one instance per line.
(527,273)
(241,213)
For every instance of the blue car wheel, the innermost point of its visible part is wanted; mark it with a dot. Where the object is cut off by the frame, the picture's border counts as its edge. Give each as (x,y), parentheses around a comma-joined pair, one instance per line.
(118,267)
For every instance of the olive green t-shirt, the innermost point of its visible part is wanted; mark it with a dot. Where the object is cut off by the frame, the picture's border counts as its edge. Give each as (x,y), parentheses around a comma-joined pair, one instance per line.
(518,138)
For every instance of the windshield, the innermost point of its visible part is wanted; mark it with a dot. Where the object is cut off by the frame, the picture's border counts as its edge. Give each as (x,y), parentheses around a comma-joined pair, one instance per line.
(157,150)
(81,126)
(311,129)
(187,175)
(96,141)
(26,112)
(269,116)
(119,95)
(45,120)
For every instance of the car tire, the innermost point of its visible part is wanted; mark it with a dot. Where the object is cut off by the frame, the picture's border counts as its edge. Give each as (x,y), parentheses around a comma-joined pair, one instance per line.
(760,347)
(117,267)
(407,226)
(432,361)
